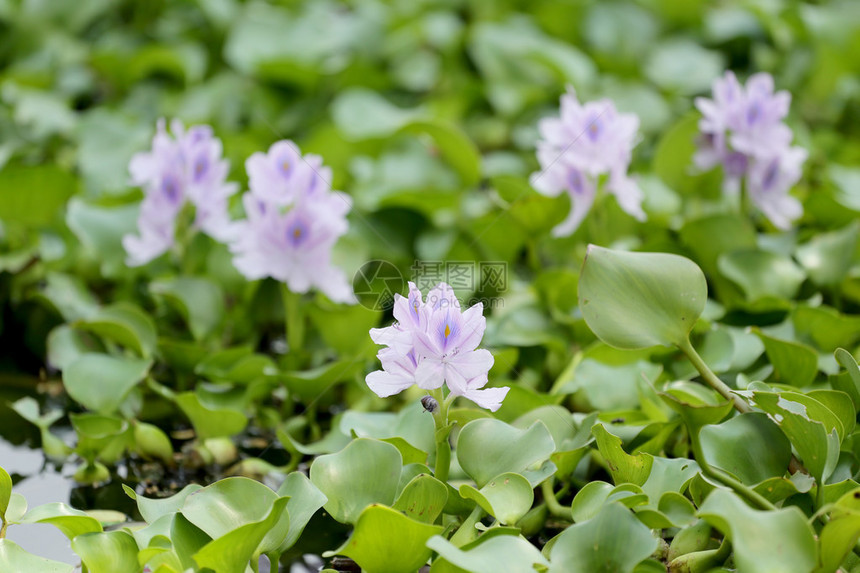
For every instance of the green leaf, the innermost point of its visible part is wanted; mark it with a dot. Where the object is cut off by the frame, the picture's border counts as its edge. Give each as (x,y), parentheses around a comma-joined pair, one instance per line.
(102,437)
(827,328)
(305,501)
(765,452)
(623,467)
(114,551)
(817,446)
(33,195)
(683,65)
(101,382)
(763,541)
(423,498)
(828,256)
(100,231)
(125,324)
(13,558)
(614,540)
(151,509)
(200,301)
(852,385)
(639,300)
(762,275)
(376,553)
(507,497)
(222,507)
(793,363)
(454,145)
(232,552)
(499,553)
(72,522)
(489,447)
(364,472)
(210,422)
(5,493)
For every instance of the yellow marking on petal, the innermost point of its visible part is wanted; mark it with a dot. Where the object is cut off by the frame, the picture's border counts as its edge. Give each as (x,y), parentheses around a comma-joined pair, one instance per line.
(447,330)
(297,232)
(285,166)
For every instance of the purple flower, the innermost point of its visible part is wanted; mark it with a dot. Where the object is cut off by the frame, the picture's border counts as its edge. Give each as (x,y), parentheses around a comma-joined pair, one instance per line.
(433,343)
(575,149)
(186,167)
(293,221)
(742,129)
(283,175)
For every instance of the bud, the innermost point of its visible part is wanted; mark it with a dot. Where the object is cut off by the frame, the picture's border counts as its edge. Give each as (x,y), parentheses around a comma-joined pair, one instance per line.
(692,538)
(430,404)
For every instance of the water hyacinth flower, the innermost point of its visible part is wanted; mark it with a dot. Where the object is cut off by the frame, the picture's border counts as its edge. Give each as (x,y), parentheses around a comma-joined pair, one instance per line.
(586,142)
(183,166)
(292,222)
(432,343)
(742,129)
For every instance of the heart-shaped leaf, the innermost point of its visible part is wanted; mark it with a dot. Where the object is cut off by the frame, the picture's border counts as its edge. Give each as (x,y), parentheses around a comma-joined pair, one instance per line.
(763,541)
(489,447)
(377,553)
(765,452)
(507,497)
(364,472)
(101,382)
(200,302)
(114,551)
(614,540)
(638,300)
(14,558)
(423,498)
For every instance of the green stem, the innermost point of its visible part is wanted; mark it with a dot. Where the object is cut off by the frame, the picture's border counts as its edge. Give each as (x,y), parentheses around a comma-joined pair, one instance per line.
(552,504)
(294,320)
(466,532)
(711,378)
(739,403)
(443,446)
(3,529)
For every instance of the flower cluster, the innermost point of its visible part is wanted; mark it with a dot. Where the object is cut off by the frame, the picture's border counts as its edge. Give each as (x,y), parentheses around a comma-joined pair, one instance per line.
(433,343)
(293,221)
(293,218)
(575,149)
(182,168)
(743,130)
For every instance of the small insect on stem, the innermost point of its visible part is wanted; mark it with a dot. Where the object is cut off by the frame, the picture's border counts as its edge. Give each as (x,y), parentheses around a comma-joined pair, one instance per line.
(430,404)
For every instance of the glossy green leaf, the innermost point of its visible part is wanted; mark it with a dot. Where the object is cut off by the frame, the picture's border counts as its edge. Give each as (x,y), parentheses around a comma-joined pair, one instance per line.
(488,447)
(614,540)
(222,507)
(114,551)
(423,498)
(102,437)
(364,472)
(72,522)
(153,508)
(305,501)
(14,558)
(101,382)
(507,497)
(373,552)
(637,300)
(763,541)
(232,551)
(765,452)
(200,301)
(125,324)
(499,553)
(825,327)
